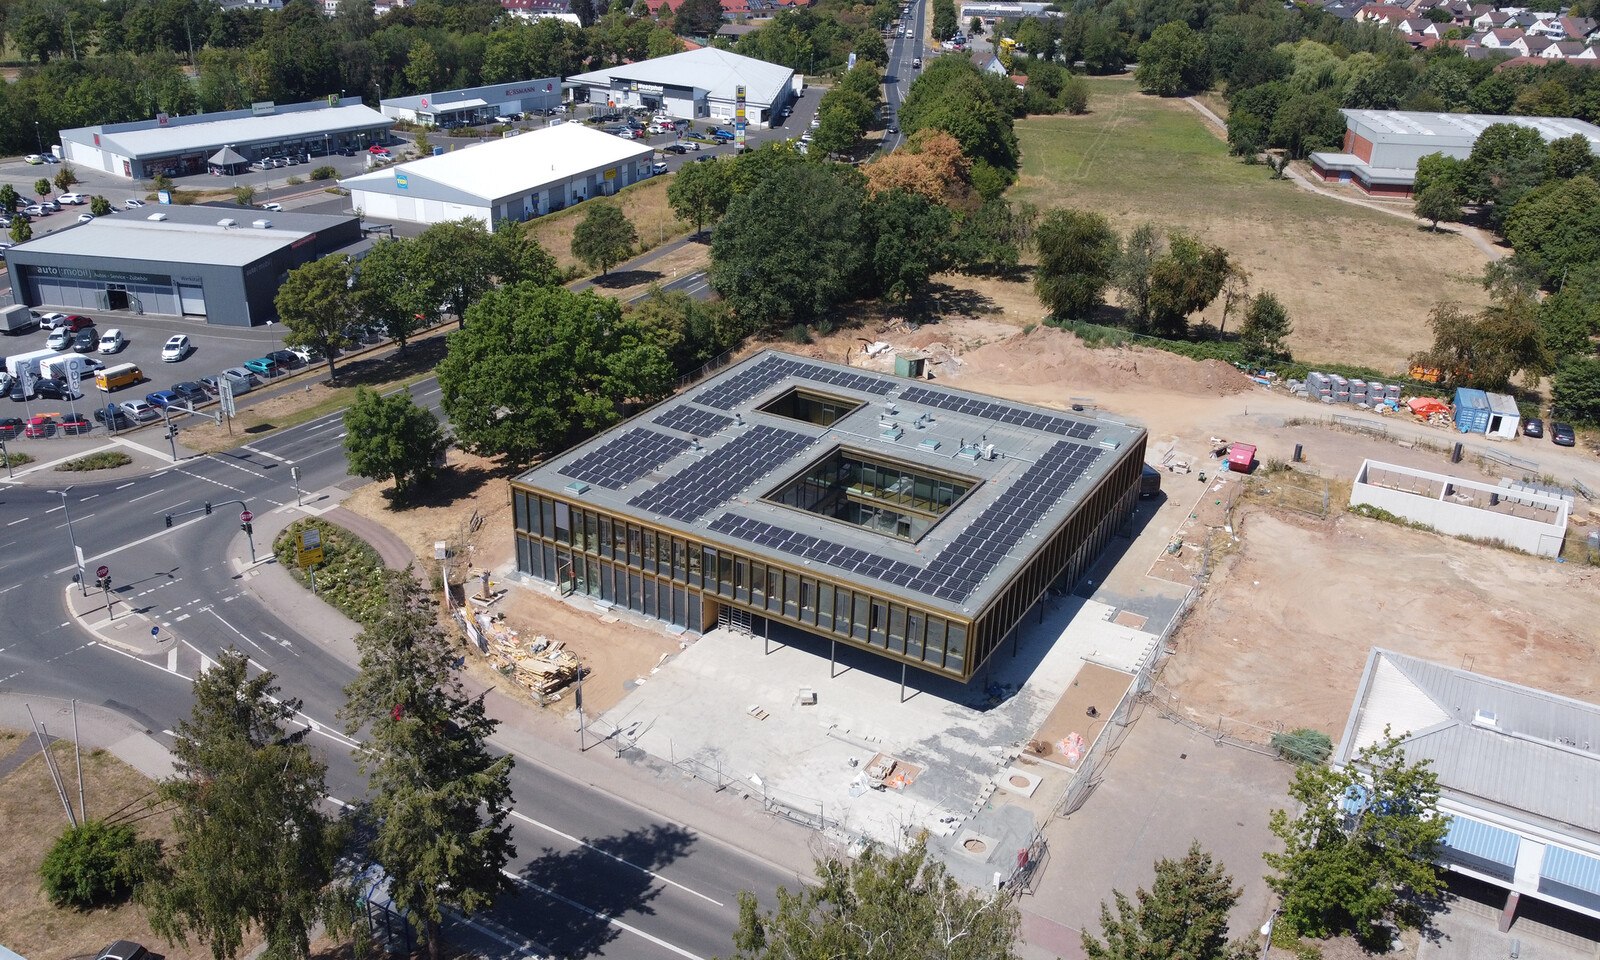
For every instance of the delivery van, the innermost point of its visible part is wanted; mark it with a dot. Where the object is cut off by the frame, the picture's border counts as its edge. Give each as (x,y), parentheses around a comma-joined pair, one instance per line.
(119,376)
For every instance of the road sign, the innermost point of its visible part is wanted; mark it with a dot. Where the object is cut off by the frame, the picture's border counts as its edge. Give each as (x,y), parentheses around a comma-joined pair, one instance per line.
(102,571)
(309,558)
(245,516)
(310,553)
(225,394)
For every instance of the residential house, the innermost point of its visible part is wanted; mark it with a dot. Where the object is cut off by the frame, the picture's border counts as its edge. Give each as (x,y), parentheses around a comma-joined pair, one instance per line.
(1578,28)
(1383,14)
(1505,38)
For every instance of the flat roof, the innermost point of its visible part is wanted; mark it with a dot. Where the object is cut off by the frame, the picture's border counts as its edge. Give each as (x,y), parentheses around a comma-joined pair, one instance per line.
(718,72)
(1523,752)
(1463,128)
(213,134)
(701,463)
(500,92)
(190,234)
(508,166)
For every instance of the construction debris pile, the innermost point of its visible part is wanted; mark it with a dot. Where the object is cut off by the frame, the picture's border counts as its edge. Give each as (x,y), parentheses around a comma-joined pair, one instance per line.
(541,667)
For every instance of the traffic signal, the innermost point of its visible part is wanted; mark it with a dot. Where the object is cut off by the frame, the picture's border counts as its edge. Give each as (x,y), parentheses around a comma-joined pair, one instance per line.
(208,508)
(169,519)
(247,528)
(104,583)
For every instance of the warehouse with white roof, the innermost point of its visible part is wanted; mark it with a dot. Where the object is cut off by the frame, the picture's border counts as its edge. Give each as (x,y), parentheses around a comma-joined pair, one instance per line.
(515,178)
(694,85)
(221,263)
(181,146)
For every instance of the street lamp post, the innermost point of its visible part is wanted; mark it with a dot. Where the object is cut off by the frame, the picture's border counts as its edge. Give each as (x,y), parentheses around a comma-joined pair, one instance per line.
(38,139)
(72,536)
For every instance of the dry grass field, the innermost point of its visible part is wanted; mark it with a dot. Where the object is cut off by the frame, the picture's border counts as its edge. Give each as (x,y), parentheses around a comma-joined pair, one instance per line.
(644,203)
(1358,283)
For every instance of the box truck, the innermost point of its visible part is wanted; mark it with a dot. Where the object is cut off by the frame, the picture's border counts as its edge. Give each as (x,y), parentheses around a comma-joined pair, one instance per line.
(17,319)
(28,361)
(69,367)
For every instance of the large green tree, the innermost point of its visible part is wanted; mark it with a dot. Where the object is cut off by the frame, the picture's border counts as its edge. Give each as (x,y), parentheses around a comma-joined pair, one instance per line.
(255,853)
(604,237)
(1556,227)
(701,192)
(1184,281)
(1184,914)
(439,799)
(691,331)
(1575,389)
(394,287)
(1174,60)
(912,242)
(790,248)
(1077,251)
(317,303)
(537,368)
(1361,851)
(1508,161)
(1131,272)
(1438,202)
(880,904)
(1307,122)
(1492,347)
(1570,317)
(391,438)
(1266,326)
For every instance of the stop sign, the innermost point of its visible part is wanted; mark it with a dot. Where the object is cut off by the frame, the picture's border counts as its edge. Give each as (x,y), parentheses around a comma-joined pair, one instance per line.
(102,571)
(245,516)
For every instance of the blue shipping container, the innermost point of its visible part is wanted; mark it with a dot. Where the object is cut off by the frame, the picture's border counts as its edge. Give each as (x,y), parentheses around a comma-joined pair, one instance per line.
(1472,410)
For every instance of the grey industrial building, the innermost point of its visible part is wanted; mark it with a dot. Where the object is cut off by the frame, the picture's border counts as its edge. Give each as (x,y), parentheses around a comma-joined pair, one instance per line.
(915,521)
(694,85)
(221,263)
(476,104)
(179,146)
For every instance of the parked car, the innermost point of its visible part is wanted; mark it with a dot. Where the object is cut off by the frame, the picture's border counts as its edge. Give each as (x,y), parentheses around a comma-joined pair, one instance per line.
(1532,427)
(674,148)
(139,410)
(6,380)
(85,217)
(39,427)
(49,321)
(209,385)
(378,149)
(76,199)
(162,398)
(113,416)
(285,359)
(11,427)
(33,159)
(60,339)
(34,210)
(657,169)
(49,388)
(190,391)
(132,204)
(75,322)
(262,366)
(307,354)
(1562,436)
(73,424)
(237,373)
(19,393)
(274,207)
(123,950)
(723,135)
(112,341)
(87,341)
(176,348)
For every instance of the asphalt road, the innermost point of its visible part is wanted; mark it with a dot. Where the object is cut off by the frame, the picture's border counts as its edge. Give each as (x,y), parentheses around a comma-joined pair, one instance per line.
(903,52)
(597,877)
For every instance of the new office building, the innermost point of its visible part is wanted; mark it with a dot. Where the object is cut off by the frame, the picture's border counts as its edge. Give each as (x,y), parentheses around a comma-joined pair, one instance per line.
(221,263)
(916,521)
(694,85)
(515,178)
(476,104)
(179,146)
(1381,147)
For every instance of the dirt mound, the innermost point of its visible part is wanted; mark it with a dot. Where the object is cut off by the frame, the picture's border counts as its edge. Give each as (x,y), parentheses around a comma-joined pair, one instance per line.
(1047,355)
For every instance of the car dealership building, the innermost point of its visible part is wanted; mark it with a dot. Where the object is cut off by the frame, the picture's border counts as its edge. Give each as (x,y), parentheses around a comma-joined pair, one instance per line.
(476,104)
(694,85)
(221,263)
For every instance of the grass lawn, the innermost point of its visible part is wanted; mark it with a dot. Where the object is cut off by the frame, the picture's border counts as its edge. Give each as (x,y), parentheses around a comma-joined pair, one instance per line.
(644,203)
(1358,283)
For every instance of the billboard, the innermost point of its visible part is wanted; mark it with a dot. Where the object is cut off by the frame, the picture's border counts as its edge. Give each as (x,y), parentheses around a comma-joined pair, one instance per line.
(738,117)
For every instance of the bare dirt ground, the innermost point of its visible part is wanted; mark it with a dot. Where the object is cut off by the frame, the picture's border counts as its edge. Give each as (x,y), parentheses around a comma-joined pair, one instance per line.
(1284,629)
(627,284)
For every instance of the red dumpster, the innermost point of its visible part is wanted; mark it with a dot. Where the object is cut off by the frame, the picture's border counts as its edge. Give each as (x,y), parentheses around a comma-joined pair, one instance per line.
(1240,457)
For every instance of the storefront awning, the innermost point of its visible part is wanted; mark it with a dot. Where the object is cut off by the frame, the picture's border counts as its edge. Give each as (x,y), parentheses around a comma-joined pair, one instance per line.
(459,105)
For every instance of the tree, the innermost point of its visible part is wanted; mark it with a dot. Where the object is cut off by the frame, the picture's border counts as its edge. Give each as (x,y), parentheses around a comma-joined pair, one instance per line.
(1266,326)
(1569,157)
(790,248)
(1449,172)
(1174,60)
(395,288)
(423,145)
(1306,122)
(1575,389)
(41,186)
(605,237)
(439,799)
(1507,162)
(66,177)
(698,18)
(901,905)
(930,164)
(1570,317)
(1184,281)
(692,332)
(912,242)
(96,863)
(1077,251)
(317,303)
(1185,914)
(1131,273)
(98,205)
(700,192)
(1362,850)
(9,199)
(538,367)
(1438,202)
(1556,227)
(975,28)
(391,438)
(255,851)
(244,195)
(21,231)
(991,239)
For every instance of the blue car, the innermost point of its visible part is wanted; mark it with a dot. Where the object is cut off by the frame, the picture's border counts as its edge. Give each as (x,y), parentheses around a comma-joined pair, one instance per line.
(162,398)
(721,134)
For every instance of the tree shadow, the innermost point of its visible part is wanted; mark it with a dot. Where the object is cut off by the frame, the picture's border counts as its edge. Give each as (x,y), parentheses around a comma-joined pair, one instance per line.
(566,896)
(942,298)
(627,278)
(420,356)
(451,485)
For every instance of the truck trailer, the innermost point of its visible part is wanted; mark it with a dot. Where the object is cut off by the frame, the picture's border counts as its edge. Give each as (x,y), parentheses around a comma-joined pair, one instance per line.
(17,319)
(28,361)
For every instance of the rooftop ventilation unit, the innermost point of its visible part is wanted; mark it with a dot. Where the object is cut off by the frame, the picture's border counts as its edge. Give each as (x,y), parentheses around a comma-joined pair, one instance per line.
(261,224)
(929,444)
(227,222)
(893,432)
(157,217)
(1486,719)
(578,487)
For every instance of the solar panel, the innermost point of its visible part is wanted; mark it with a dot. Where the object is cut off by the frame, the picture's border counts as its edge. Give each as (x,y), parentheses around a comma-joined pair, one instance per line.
(742,386)
(998,412)
(696,423)
(619,462)
(696,490)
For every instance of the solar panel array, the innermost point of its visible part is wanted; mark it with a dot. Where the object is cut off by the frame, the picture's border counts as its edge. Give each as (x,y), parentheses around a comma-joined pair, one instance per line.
(737,389)
(1001,412)
(957,570)
(619,462)
(694,491)
(697,423)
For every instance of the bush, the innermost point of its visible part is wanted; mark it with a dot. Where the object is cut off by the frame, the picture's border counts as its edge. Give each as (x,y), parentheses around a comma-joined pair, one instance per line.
(104,460)
(95,863)
(1303,745)
(324,173)
(16,459)
(294,181)
(351,576)
(797,334)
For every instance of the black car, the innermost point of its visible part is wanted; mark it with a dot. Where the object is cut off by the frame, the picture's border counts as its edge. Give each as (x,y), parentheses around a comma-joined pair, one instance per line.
(112,417)
(51,389)
(1562,436)
(87,341)
(11,427)
(191,391)
(674,148)
(286,360)
(1532,427)
(18,394)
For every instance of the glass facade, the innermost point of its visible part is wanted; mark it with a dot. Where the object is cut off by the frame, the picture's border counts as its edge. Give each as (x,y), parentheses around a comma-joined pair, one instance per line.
(892,499)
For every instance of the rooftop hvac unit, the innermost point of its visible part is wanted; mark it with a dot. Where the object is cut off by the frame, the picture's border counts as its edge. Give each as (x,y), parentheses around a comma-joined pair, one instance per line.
(261,224)
(157,217)
(227,222)
(1486,718)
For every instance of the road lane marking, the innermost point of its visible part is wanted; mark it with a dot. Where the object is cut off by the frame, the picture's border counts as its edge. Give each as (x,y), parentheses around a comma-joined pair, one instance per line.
(620,925)
(142,540)
(567,836)
(80,520)
(150,494)
(127,485)
(90,497)
(15,522)
(54,509)
(269,456)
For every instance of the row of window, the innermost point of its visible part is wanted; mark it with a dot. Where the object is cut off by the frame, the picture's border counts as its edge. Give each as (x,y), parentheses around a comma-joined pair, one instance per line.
(870,620)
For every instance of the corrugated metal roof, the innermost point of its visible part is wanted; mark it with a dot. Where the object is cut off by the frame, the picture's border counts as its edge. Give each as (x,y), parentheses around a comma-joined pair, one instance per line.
(1462,129)
(188,235)
(715,71)
(1502,404)
(1532,751)
(1571,868)
(1482,840)
(239,130)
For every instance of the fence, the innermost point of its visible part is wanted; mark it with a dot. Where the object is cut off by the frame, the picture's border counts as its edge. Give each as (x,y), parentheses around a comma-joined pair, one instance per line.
(1223,730)
(711,366)
(806,811)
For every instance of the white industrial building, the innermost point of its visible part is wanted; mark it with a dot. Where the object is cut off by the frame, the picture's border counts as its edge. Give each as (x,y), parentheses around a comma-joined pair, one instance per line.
(1517,770)
(694,85)
(476,104)
(515,178)
(1529,518)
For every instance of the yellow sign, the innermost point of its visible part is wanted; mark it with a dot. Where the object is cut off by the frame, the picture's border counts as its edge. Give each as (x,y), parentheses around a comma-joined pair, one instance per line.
(310,558)
(611,174)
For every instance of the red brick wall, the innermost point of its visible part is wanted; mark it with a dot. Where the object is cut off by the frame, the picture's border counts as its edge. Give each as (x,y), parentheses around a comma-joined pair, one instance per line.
(1360,146)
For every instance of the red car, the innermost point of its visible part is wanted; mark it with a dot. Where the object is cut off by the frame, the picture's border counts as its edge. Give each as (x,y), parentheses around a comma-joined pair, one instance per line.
(72,425)
(40,427)
(75,323)
(379,150)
